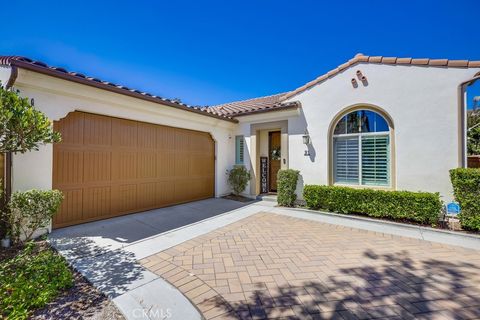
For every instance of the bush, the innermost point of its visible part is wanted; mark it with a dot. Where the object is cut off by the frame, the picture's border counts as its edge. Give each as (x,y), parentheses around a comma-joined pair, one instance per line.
(31,210)
(286,186)
(422,207)
(466,188)
(238,178)
(30,280)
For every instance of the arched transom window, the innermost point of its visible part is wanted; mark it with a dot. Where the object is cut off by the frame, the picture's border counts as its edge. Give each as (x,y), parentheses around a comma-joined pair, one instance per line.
(361,149)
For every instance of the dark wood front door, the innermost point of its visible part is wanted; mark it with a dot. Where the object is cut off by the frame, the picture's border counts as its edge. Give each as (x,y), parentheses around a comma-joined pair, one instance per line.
(274,156)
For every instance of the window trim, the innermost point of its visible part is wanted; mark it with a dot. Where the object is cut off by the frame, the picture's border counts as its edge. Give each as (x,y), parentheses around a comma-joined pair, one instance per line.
(392,147)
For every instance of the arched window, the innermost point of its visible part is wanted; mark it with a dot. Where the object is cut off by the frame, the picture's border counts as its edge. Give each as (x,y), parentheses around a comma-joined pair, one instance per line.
(361,149)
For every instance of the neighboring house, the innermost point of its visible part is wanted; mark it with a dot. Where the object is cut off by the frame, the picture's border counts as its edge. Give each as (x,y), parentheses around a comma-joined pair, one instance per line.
(373,122)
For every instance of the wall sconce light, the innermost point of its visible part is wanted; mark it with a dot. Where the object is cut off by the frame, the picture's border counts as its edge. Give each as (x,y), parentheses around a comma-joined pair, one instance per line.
(306,138)
(32,102)
(306,141)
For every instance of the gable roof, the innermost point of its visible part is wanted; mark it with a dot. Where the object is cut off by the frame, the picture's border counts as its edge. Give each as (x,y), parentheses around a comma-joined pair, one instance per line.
(360,57)
(254,105)
(58,72)
(277,102)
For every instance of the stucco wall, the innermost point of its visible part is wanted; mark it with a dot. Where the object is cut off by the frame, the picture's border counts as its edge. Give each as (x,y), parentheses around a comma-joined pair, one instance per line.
(4,75)
(423,104)
(58,97)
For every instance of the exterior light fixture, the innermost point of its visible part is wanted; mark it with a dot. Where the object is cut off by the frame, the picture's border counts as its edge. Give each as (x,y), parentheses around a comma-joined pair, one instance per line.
(306,138)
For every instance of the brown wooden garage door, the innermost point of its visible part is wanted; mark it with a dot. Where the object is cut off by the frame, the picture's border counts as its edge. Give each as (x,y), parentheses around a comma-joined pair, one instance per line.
(108,167)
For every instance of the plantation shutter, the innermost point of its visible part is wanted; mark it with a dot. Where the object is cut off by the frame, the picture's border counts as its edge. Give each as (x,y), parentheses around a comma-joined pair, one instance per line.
(375,160)
(239,149)
(346,153)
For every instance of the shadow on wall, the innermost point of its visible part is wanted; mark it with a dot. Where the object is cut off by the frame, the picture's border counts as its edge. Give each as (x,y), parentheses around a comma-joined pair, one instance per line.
(389,285)
(300,129)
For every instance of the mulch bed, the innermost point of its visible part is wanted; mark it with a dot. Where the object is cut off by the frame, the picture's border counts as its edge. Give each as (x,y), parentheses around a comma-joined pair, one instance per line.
(237,198)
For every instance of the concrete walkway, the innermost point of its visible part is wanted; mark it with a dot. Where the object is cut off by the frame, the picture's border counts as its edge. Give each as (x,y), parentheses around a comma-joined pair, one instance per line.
(107,252)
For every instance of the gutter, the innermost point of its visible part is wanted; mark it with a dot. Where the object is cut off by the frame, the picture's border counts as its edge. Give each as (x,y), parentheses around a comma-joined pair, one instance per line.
(462,128)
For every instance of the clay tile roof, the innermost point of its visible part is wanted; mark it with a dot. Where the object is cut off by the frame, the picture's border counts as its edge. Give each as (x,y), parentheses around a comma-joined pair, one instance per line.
(41,67)
(361,58)
(254,105)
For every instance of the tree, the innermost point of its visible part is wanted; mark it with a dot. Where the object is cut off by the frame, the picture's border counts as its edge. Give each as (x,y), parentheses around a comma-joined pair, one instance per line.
(473,132)
(22,127)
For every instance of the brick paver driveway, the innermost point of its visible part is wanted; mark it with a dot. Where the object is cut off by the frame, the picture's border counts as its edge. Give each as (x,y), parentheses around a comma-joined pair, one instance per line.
(274,266)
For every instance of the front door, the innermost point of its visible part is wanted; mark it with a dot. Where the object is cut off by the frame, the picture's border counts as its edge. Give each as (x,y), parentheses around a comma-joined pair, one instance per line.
(274,157)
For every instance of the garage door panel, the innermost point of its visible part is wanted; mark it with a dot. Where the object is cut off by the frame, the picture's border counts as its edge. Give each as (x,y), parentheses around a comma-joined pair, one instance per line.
(147,164)
(165,138)
(124,165)
(97,166)
(72,130)
(71,208)
(97,129)
(146,195)
(165,193)
(182,164)
(147,136)
(124,133)
(69,168)
(96,202)
(165,164)
(108,167)
(124,198)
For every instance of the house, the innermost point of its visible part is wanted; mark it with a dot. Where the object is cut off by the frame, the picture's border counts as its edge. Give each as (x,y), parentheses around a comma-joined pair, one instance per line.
(373,122)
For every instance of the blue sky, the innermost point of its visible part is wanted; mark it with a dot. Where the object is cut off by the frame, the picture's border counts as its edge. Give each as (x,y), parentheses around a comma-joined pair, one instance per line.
(209,52)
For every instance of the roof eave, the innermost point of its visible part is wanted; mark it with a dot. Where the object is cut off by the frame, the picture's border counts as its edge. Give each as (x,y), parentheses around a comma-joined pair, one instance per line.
(103,86)
(290,106)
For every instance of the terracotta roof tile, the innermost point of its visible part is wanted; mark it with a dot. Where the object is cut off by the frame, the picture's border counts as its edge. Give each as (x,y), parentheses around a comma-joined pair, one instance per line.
(41,67)
(360,58)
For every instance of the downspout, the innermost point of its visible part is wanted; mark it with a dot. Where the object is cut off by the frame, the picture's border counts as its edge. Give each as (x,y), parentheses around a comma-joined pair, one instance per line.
(7,175)
(462,128)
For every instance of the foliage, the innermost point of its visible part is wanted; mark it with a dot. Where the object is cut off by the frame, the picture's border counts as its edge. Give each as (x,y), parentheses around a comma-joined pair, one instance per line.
(22,127)
(238,178)
(466,188)
(422,207)
(473,133)
(286,186)
(31,210)
(30,280)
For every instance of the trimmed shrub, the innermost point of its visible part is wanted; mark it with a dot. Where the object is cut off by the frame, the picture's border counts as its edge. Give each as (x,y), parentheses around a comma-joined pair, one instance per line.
(466,188)
(238,178)
(30,211)
(286,186)
(421,207)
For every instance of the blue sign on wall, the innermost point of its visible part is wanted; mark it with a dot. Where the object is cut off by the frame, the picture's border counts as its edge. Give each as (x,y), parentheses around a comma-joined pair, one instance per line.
(453,208)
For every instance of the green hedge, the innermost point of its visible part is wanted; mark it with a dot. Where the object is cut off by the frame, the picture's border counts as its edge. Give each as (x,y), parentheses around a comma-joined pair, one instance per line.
(466,188)
(286,186)
(422,207)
